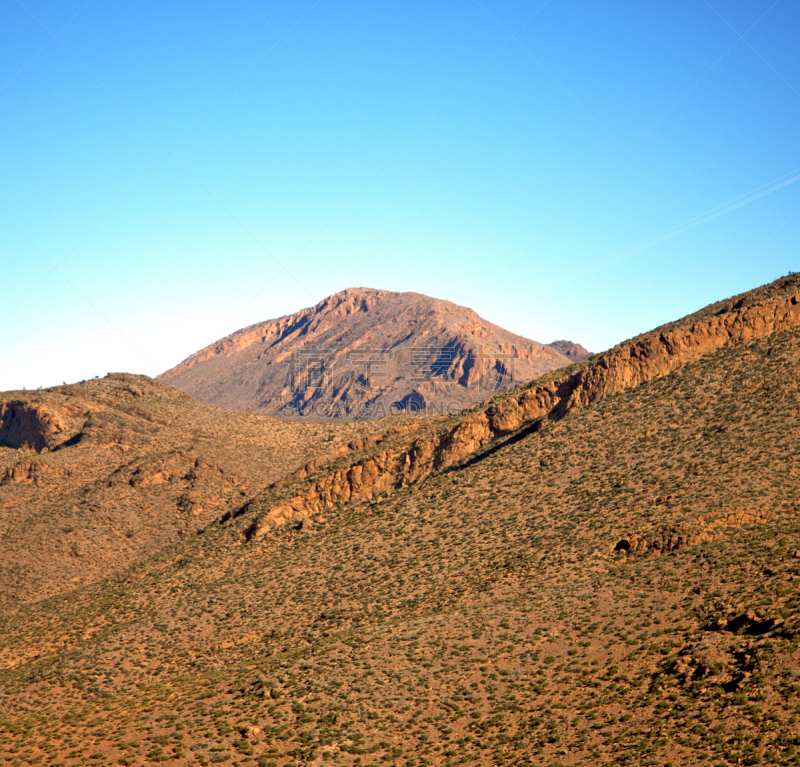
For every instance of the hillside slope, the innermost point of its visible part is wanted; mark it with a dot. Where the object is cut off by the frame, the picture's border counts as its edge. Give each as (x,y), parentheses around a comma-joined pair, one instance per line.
(96,475)
(362,353)
(611,579)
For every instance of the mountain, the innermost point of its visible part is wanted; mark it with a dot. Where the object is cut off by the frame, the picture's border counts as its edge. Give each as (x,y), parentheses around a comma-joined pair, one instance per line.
(601,566)
(366,353)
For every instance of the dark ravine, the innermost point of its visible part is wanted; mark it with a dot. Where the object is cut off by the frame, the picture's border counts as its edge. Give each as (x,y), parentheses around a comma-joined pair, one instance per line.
(627,365)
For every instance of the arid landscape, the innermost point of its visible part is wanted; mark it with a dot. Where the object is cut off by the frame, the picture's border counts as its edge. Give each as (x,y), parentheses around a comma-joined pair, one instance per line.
(600,565)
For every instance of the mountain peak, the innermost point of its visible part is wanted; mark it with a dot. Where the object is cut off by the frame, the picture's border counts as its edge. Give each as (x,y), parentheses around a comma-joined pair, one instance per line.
(363,353)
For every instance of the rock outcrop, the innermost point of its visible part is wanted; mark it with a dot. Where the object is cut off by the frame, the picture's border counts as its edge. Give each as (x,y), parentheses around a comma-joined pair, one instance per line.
(680,536)
(27,424)
(628,365)
(33,472)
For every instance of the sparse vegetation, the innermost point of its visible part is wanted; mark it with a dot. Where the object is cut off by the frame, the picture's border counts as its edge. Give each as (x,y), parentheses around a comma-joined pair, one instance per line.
(482,616)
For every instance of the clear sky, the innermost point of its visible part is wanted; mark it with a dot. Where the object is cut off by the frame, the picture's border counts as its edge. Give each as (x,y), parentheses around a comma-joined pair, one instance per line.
(174,171)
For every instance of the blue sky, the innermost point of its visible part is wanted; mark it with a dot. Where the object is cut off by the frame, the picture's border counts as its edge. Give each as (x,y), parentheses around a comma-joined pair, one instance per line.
(173,172)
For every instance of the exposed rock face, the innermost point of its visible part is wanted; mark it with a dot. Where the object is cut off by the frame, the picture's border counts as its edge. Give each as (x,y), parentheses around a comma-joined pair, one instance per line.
(363,353)
(31,425)
(627,365)
(33,472)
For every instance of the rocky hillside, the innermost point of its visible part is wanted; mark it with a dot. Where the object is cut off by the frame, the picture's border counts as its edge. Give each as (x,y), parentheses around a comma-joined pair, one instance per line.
(632,363)
(599,567)
(96,475)
(364,353)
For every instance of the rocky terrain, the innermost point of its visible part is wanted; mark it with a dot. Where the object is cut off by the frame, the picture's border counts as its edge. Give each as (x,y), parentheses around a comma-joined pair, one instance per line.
(365,353)
(599,567)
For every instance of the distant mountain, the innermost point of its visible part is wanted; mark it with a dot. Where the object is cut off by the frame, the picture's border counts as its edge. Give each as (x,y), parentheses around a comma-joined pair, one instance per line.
(573,352)
(363,353)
